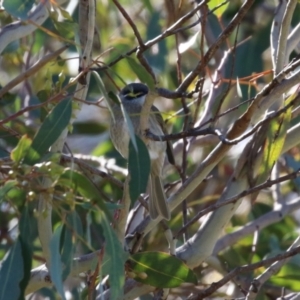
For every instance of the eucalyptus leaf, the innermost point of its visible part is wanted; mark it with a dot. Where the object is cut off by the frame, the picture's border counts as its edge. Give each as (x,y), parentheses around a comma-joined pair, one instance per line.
(55,268)
(54,124)
(116,259)
(139,169)
(142,74)
(26,243)
(72,231)
(159,59)
(12,272)
(161,270)
(68,251)
(276,135)
(130,128)
(18,8)
(104,93)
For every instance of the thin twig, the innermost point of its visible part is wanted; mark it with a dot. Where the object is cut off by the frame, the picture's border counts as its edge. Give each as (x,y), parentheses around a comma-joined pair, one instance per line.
(247,268)
(211,51)
(233,199)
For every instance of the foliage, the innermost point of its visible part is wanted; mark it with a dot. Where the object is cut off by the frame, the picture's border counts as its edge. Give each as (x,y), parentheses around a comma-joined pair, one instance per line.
(229,96)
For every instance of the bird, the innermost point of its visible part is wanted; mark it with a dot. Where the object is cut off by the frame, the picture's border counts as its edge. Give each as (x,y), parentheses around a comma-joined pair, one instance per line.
(133,97)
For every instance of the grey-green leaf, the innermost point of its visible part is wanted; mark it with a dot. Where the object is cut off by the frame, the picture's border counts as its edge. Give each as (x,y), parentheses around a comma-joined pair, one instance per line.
(116,258)
(54,124)
(139,169)
(11,272)
(25,239)
(18,8)
(140,72)
(56,265)
(73,230)
(103,92)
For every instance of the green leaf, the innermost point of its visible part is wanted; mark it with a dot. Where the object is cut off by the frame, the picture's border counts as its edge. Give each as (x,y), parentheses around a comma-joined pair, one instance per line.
(103,92)
(275,140)
(138,168)
(161,270)
(25,235)
(22,149)
(149,6)
(66,29)
(288,277)
(6,188)
(18,8)
(73,229)
(56,265)
(158,59)
(51,129)
(140,72)
(130,127)
(218,12)
(116,258)
(83,186)
(67,251)
(12,272)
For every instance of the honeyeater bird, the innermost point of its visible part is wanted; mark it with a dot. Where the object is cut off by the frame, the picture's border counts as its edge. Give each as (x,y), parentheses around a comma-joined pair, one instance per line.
(133,98)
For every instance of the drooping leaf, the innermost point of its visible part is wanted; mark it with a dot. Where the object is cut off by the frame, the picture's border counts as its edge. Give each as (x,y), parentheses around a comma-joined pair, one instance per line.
(116,259)
(18,8)
(26,246)
(51,129)
(56,265)
(73,229)
(138,168)
(103,92)
(142,74)
(12,272)
(67,251)
(160,270)
(149,6)
(157,59)
(275,139)
(130,128)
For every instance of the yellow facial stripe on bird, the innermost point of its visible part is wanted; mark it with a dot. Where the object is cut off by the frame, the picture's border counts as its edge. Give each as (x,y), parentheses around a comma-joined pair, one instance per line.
(134,95)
